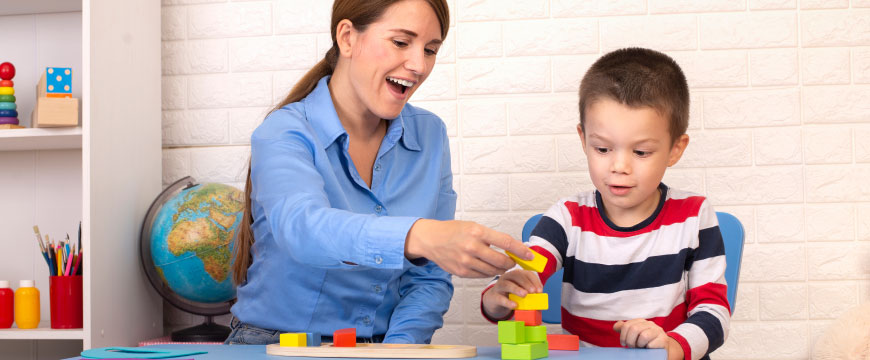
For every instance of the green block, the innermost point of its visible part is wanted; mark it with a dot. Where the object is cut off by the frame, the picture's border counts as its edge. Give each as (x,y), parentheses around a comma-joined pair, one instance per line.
(526,351)
(511,332)
(536,334)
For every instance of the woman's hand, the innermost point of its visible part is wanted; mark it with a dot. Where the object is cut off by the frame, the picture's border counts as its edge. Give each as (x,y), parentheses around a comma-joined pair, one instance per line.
(496,303)
(642,333)
(462,248)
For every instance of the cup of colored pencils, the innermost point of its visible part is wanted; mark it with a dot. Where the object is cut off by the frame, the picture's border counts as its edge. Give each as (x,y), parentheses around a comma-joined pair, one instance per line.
(63,258)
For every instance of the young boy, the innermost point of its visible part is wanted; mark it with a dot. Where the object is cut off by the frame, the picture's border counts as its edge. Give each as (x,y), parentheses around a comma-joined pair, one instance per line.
(644,263)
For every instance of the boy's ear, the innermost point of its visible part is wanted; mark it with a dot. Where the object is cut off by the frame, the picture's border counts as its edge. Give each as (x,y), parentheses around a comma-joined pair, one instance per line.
(582,137)
(677,150)
(345,36)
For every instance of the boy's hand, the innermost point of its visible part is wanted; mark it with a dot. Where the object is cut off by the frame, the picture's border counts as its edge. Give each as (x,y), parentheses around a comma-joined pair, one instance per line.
(519,282)
(642,333)
(462,248)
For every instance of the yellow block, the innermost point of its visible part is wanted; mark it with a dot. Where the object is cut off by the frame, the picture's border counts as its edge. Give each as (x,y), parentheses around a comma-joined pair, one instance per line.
(531,301)
(538,263)
(294,340)
(7,91)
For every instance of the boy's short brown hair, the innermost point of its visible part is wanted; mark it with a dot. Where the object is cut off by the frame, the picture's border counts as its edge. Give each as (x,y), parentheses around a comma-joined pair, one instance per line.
(638,77)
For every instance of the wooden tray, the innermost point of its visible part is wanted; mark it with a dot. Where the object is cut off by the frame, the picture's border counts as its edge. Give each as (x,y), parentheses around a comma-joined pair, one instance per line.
(384,351)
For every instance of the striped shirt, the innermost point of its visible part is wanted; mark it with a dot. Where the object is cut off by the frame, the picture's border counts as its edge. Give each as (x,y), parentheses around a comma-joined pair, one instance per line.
(669,269)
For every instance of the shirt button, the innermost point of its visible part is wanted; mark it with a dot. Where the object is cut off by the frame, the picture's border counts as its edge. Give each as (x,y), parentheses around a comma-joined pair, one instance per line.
(367,320)
(379,208)
(378,167)
(378,259)
(377,288)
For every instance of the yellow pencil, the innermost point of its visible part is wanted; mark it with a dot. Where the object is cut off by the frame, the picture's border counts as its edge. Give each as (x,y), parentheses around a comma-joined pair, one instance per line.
(59,261)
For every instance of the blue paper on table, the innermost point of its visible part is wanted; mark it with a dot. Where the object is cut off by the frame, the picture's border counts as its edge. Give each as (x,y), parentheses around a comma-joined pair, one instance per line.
(136,353)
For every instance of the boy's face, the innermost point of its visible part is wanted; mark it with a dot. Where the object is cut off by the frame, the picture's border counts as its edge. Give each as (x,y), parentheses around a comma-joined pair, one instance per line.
(628,150)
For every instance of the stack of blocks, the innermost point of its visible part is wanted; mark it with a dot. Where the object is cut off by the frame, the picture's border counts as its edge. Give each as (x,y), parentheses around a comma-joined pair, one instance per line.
(525,338)
(340,338)
(55,105)
(8,109)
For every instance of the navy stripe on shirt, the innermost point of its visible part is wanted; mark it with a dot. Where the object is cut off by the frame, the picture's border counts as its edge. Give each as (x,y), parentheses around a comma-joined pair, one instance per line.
(599,278)
(711,327)
(709,244)
(551,231)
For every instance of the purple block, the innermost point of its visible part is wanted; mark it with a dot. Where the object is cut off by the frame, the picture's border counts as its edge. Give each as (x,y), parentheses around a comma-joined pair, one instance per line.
(8,120)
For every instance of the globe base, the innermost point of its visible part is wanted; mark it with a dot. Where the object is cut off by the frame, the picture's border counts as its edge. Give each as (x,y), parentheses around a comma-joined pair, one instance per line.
(205,332)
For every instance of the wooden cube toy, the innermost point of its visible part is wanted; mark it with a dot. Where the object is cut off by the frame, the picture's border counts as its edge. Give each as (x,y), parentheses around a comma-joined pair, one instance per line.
(530,302)
(529,317)
(293,339)
(511,332)
(527,351)
(536,334)
(563,342)
(344,338)
(312,339)
(537,264)
(58,81)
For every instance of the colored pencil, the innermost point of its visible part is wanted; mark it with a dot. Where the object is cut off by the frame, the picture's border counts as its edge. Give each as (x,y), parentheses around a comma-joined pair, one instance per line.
(77,268)
(68,264)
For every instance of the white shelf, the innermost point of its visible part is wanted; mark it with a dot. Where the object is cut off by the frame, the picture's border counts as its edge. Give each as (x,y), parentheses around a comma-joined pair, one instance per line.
(18,7)
(40,139)
(43,332)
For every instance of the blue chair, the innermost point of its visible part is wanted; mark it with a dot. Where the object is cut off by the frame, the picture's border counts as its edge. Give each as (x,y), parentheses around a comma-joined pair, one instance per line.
(732,236)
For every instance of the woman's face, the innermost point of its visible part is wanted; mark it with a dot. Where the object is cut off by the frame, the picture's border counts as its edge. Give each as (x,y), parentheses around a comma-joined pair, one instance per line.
(393,56)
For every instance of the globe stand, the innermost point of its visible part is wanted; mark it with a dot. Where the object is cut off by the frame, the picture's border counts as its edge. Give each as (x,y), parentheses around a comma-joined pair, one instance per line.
(208,331)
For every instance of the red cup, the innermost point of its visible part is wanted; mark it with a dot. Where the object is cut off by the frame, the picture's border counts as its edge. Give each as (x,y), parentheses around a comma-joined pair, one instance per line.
(66,301)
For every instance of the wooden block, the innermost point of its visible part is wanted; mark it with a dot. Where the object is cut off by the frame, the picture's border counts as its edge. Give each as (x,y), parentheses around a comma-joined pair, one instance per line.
(563,342)
(55,112)
(511,332)
(530,302)
(10,126)
(536,334)
(344,338)
(377,351)
(529,317)
(313,338)
(59,95)
(58,80)
(293,339)
(526,351)
(538,263)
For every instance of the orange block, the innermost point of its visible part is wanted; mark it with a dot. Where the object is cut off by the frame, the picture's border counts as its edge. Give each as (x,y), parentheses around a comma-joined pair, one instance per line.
(563,342)
(530,317)
(344,338)
(59,95)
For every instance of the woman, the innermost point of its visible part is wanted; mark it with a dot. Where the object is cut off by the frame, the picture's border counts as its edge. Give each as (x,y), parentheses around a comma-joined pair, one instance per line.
(350,192)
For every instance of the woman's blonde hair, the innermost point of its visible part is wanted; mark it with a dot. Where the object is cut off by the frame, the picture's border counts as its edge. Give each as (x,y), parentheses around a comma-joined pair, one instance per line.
(361,14)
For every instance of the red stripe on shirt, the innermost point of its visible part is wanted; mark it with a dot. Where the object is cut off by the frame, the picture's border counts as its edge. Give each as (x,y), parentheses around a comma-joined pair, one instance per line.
(709,293)
(687,350)
(600,332)
(678,210)
(550,268)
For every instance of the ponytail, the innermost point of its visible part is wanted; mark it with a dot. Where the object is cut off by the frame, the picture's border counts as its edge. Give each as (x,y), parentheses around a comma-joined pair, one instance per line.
(245,240)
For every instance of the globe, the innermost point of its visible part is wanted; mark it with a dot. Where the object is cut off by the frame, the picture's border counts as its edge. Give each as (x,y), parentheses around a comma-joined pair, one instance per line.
(187,251)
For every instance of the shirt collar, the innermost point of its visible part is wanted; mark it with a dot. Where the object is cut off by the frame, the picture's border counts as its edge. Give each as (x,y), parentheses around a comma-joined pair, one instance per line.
(323,118)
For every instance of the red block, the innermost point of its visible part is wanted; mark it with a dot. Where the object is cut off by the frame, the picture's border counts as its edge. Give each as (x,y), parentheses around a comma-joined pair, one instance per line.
(344,338)
(563,342)
(530,317)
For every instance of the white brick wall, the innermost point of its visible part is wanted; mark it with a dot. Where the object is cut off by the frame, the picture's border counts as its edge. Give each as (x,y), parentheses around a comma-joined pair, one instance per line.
(780,127)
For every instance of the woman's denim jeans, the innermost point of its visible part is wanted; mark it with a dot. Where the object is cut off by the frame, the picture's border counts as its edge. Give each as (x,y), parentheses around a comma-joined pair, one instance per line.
(244,334)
